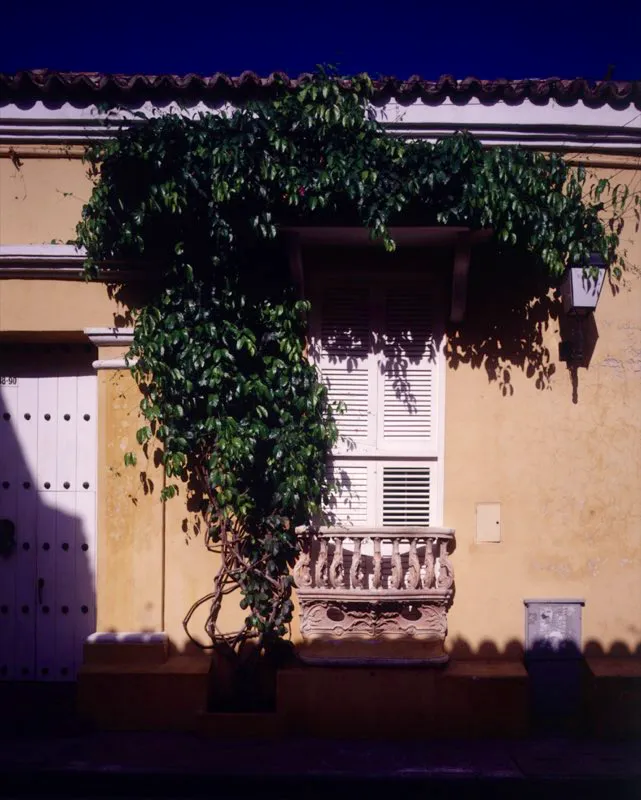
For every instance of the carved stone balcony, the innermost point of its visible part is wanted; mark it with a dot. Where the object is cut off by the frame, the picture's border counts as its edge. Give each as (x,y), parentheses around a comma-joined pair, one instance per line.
(375,595)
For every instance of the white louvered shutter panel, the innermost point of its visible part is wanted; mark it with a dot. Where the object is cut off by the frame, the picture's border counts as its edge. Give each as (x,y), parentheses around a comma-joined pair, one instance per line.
(406,494)
(342,344)
(346,364)
(406,412)
(352,502)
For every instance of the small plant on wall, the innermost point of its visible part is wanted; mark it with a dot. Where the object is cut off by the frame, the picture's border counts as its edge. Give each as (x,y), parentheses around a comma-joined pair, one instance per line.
(219,347)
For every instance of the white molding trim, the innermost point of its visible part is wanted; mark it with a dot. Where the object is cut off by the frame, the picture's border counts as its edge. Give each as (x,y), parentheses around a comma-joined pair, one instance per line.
(570,127)
(20,254)
(106,337)
(103,337)
(58,261)
(113,363)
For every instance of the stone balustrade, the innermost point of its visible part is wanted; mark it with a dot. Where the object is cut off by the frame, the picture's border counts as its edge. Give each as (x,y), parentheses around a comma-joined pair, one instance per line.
(374,595)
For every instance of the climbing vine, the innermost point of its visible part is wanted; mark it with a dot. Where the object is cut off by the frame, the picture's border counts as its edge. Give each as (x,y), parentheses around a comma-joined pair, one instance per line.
(219,347)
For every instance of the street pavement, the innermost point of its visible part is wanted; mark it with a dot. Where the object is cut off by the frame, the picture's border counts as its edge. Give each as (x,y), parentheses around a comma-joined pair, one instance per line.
(106,764)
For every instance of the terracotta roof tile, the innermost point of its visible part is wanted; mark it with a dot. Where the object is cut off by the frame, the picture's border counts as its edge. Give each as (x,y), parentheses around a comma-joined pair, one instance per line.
(95,86)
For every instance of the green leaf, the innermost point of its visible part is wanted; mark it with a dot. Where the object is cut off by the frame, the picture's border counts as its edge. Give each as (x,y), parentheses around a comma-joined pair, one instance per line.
(143,435)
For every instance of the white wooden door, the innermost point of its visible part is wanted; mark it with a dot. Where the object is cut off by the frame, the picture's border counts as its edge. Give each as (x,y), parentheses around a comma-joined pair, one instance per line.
(48,506)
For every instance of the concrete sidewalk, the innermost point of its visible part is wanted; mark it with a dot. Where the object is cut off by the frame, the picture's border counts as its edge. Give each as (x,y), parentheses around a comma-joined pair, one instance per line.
(170,764)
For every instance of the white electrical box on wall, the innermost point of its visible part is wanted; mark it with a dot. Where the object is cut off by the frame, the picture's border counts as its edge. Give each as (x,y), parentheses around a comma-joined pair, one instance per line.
(488,523)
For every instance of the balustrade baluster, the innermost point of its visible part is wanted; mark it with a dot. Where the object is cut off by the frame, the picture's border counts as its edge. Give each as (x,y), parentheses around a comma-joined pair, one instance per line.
(397,569)
(414,572)
(376,578)
(302,569)
(324,564)
(446,573)
(336,571)
(321,565)
(428,577)
(356,573)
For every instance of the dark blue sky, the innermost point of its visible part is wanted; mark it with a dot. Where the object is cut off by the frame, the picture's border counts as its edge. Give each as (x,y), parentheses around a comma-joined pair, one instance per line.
(517,39)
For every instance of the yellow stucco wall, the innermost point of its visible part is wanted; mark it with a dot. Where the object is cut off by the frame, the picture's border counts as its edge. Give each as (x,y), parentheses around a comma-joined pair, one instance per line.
(560,450)
(41,199)
(565,465)
(131,532)
(31,305)
(561,456)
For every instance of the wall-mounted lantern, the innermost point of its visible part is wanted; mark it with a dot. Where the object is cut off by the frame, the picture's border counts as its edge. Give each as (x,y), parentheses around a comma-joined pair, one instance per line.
(581,286)
(580,290)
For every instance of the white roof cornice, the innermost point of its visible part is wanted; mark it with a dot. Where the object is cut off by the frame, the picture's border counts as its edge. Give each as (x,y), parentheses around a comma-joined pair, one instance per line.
(550,126)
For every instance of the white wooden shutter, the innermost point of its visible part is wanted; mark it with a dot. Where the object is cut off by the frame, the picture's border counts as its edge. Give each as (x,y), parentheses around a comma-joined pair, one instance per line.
(352,502)
(346,364)
(406,410)
(373,342)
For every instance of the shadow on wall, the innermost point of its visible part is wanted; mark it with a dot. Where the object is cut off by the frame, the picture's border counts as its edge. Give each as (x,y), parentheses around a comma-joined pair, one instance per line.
(489,693)
(514,650)
(510,307)
(47,510)
(130,296)
(487,656)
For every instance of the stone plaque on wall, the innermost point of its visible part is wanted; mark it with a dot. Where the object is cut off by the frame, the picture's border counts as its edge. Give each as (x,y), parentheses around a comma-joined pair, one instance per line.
(553,628)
